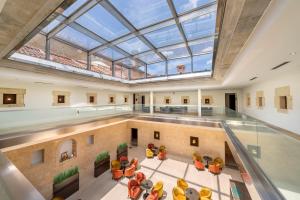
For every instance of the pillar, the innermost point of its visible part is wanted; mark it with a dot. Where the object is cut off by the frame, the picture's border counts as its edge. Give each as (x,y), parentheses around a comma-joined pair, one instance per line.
(151,102)
(199,102)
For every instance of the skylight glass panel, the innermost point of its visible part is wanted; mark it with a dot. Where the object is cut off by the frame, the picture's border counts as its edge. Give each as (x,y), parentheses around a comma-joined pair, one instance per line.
(129,62)
(53,24)
(175,53)
(102,23)
(156,69)
(150,57)
(201,26)
(179,66)
(165,36)
(143,13)
(73,7)
(111,54)
(133,46)
(202,62)
(205,47)
(182,6)
(72,36)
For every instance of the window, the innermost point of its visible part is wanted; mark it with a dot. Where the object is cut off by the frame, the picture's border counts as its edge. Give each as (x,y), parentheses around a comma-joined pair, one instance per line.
(283,102)
(260,101)
(156,69)
(202,63)
(9,99)
(185,100)
(206,101)
(92,98)
(126,99)
(248,101)
(138,73)
(35,47)
(111,99)
(156,135)
(133,46)
(194,141)
(90,139)
(101,65)
(60,99)
(37,157)
(12,97)
(179,66)
(167,100)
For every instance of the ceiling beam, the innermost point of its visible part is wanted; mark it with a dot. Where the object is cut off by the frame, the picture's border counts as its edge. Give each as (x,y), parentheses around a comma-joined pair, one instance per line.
(179,26)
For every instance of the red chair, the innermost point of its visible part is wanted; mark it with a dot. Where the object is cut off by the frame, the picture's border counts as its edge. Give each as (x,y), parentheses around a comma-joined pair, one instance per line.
(140,177)
(162,155)
(117,174)
(134,162)
(129,172)
(153,196)
(199,165)
(134,189)
(150,146)
(214,168)
(122,158)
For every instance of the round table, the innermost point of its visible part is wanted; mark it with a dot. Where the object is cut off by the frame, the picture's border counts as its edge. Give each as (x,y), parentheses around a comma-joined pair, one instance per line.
(207,159)
(146,185)
(124,164)
(155,151)
(191,194)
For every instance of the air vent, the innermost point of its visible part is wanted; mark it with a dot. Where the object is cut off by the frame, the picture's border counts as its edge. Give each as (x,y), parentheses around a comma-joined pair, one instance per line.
(280,65)
(251,79)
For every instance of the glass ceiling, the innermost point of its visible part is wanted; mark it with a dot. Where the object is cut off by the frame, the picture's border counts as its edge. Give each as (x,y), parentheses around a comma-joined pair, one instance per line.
(135,33)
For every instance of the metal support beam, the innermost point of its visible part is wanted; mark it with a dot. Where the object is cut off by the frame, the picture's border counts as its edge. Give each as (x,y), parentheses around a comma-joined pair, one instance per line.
(89,61)
(179,26)
(47,48)
(113,69)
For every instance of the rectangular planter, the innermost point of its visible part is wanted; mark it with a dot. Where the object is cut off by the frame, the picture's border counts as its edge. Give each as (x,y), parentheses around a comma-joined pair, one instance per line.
(101,167)
(122,152)
(67,187)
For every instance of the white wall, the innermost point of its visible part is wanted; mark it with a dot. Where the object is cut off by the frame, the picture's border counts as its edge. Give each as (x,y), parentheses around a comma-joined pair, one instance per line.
(40,95)
(289,121)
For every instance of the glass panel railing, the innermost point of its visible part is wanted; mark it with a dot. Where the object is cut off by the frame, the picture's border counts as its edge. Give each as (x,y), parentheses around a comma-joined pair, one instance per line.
(276,153)
(20,120)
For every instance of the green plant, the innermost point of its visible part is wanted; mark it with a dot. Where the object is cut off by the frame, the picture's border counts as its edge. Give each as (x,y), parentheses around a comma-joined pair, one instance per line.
(102,156)
(64,175)
(122,146)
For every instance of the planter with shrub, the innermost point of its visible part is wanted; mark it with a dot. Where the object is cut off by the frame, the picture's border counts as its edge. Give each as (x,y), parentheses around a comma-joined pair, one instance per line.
(122,150)
(101,164)
(66,183)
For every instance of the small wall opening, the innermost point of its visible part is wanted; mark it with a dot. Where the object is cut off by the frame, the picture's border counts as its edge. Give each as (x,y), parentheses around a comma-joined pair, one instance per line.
(37,157)
(67,150)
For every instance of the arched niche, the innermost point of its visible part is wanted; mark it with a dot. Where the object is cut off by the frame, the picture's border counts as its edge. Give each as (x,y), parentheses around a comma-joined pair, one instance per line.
(67,150)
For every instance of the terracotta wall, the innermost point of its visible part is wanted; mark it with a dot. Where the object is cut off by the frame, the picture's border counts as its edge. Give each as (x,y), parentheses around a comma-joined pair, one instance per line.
(41,175)
(176,137)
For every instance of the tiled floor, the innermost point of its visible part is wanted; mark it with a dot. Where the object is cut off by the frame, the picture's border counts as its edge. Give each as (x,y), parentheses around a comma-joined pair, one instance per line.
(168,171)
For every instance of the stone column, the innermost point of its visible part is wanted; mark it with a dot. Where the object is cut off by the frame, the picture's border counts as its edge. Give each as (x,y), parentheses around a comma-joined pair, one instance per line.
(199,102)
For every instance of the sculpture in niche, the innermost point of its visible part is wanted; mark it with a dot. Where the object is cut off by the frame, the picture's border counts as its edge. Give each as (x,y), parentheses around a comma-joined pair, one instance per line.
(156,135)
(194,141)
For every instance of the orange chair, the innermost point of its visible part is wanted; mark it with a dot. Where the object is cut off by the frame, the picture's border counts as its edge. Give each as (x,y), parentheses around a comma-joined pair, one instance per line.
(153,195)
(159,187)
(162,155)
(122,158)
(214,168)
(117,174)
(134,162)
(199,165)
(140,177)
(129,172)
(134,189)
(197,156)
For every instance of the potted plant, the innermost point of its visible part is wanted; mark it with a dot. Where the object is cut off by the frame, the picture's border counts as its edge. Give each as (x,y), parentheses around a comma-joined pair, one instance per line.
(102,163)
(66,183)
(122,150)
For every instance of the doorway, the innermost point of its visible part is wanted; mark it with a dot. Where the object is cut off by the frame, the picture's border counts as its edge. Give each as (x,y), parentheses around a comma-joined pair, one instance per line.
(134,136)
(143,101)
(231,101)
(133,101)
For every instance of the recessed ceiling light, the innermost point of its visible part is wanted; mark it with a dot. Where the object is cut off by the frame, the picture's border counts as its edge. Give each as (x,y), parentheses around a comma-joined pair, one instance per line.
(293,53)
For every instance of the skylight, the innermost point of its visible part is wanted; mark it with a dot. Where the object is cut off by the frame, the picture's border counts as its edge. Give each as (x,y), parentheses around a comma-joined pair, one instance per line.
(144,38)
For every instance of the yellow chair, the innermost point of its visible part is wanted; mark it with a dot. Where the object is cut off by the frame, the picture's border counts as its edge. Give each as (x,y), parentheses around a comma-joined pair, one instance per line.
(115,164)
(219,161)
(205,193)
(197,156)
(182,184)
(149,153)
(162,148)
(159,188)
(178,194)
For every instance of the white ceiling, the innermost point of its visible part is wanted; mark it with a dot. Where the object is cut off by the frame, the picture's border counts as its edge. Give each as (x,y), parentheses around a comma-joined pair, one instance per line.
(275,37)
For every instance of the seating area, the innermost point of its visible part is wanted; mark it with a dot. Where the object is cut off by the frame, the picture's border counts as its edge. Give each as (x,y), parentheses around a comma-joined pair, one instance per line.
(155,179)
(214,166)
(152,151)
